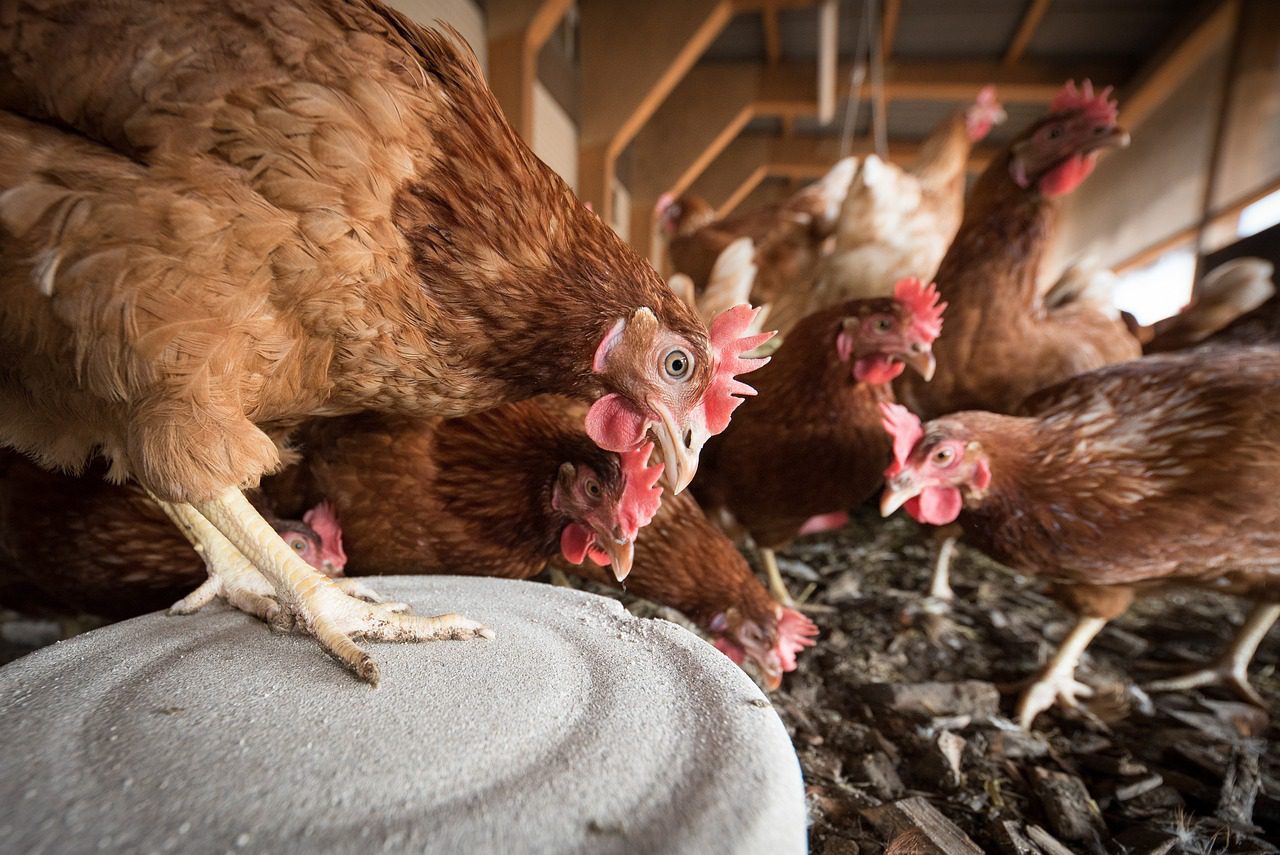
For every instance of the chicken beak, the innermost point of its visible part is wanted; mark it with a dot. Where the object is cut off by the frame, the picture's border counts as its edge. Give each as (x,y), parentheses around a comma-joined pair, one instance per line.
(1116,137)
(680,457)
(922,362)
(899,490)
(621,555)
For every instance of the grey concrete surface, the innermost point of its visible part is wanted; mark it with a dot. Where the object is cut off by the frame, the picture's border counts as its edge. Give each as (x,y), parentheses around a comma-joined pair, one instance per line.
(578,729)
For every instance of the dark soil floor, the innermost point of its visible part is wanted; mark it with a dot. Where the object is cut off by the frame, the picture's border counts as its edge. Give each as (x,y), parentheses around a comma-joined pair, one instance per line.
(901,718)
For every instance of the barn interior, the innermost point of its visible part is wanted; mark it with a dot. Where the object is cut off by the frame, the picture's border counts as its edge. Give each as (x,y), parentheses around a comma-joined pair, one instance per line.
(701,132)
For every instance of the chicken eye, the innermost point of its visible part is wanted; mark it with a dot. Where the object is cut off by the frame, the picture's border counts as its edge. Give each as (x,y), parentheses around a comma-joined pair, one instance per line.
(882,325)
(299,546)
(677,363)
(1055,132)
(593,489)
(943,456)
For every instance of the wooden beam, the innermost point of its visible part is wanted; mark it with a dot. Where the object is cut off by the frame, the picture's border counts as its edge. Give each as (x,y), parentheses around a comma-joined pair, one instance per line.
(789,88)
(701,117)
(633,55)
(828,59)
(517,30)
(1206,30)
(1248,142)
(772,34)
(752,157)
(1026,30)
(889,27)
(736,166)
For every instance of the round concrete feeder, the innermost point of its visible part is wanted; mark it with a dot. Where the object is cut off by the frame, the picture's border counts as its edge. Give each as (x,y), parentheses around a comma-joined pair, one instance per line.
(578,729)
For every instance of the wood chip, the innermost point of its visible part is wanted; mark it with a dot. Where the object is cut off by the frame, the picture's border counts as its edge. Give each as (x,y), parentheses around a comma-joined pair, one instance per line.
(1125,792)
(1241,783)
(942,835)
(1072,812)
(1046,841)
(880,774)
(1141,840)
(967,697)
(1012,841)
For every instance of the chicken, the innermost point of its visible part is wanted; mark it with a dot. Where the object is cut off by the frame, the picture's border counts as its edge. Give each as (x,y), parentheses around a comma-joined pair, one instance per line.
(79,545)
(224,218)
(681,216)
(1118,483)
(811,448)
(500,492)
(789,237)
(684,562)
(896,222)
(1002,343)
(511,490)
(1227,292)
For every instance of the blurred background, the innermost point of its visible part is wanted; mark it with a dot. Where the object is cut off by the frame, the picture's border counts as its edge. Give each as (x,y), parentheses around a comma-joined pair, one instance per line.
(741,102)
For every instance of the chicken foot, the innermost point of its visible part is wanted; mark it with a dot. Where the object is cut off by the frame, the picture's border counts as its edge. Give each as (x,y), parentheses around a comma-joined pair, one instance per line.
(231,576)
(1057,681)
(1232,668)
(316,603)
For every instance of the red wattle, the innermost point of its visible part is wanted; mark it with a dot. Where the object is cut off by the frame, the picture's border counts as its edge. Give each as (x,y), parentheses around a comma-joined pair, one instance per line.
(614,424)
(876,369)
(936,505)
(1067,176)
(575,540)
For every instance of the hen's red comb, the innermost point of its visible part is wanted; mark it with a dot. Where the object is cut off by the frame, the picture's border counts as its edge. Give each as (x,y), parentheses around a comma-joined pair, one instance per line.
(728,344)
(922,301)
(795,633)
(323,519)
(1099,107)
(640,495)
(904,426)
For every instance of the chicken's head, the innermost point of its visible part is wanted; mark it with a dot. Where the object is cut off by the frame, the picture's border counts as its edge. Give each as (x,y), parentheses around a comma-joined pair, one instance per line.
(605,508)
(660,380)
(771,643)
(983,114)
(317,539)
(1058,152)
(934,471)
(884,336)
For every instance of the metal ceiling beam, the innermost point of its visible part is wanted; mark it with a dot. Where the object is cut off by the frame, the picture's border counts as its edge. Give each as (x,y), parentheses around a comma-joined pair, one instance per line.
(1026,30)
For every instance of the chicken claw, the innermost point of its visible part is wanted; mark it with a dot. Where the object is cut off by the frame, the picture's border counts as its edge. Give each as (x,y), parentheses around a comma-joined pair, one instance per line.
(777,587)
(1232,669)
(316,603)
(1057,681)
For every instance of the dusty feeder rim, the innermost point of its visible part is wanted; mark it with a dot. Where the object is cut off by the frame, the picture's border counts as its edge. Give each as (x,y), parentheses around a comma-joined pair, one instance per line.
(579,728)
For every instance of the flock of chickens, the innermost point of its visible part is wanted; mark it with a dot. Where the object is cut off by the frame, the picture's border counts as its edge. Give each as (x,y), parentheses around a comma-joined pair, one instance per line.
(279,283)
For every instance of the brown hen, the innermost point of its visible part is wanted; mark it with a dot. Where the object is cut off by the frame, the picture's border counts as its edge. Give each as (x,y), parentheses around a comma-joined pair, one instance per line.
(1118,483)
(219,218)
(812,447)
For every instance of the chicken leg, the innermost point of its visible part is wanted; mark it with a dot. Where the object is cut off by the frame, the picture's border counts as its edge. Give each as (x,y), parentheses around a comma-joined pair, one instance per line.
(313,600)
(940,582)
(231,576)
(777,587)
(1057,681)
(1232,668)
